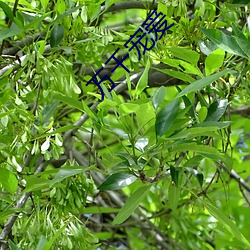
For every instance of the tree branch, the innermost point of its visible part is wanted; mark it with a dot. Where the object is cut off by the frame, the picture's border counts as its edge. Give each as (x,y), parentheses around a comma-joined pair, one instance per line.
(20,203)
(236,177)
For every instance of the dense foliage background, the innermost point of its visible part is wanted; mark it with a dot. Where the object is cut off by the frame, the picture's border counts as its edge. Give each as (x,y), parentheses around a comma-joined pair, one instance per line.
(161,163)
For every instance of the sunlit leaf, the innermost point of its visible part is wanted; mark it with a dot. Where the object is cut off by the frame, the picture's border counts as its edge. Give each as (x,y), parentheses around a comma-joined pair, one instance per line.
(34,183)
(214,61)
(173,196)
(117,181)
(198,85)
(143,81)
(8,180)
(7,10)
(216,110)
(158,97)
(186,54)
(49,244)
(223,41)
(67,172)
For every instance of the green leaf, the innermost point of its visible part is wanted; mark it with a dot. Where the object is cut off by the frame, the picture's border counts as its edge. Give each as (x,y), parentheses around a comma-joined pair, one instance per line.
(56,35)
(244,45)
(177,74)
(204,150)
(49,244)
(198,175)
(216,110)
(9,32)
(193,132)
(214,61)
(143,81)
(117,181)
(227,223)
(98,210)
(132,203)
(189,68)
(49,110)
(158,97)
(173,196)
(223,41)
(197,85)
(174,172)
(68,12)
(13,246)
(202,114)
(7,10)
(219,125)
(166,117)
(9,211)
(8,180)
(194,161)
(66,172)
(35,184)
(41,243)
(70,101)
(44,3)
(186,54)
(128,108)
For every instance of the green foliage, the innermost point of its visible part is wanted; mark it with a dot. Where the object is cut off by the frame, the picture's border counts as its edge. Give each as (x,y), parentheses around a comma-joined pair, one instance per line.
(160,163)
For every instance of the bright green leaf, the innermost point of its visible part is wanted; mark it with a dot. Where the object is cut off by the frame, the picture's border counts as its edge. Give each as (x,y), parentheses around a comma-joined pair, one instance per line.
(143,81)
(49,244)
(186,54)
(7,10)
(173,196)
(158,97)
(177,74)
(8,180)
(132,203)
(214,61)
(35,184)
(13,246)
(198,85)
(193,132)
(128,108)
(64,173)
(223,41)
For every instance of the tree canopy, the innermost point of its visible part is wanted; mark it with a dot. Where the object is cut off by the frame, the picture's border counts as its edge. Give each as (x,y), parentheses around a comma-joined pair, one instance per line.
(108,143)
